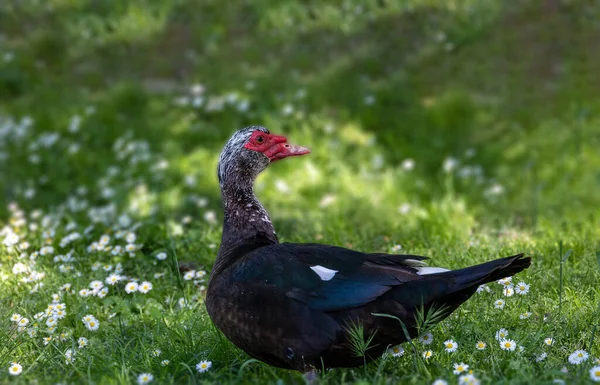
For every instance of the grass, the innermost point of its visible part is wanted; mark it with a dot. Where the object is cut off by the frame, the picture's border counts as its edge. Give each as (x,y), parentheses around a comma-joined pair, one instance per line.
(495,105)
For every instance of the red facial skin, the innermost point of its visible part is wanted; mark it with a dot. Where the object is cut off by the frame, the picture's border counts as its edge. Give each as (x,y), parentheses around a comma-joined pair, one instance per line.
(275,147)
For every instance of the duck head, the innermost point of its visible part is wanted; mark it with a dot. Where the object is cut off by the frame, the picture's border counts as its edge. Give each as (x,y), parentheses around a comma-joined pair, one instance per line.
(249,151)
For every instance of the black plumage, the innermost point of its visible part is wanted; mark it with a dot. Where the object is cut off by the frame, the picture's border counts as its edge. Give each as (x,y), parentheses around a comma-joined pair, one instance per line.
(291,305)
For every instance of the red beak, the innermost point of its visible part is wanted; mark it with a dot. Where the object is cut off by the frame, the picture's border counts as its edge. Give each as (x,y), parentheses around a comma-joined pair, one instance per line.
(282,149)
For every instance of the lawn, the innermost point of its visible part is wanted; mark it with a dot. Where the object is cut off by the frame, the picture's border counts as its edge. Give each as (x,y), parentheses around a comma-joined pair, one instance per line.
(459,130)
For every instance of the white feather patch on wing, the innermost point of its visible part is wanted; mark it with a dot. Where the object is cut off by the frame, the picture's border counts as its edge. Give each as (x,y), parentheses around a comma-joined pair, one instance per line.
(430,270)
(324,273)
(414,263)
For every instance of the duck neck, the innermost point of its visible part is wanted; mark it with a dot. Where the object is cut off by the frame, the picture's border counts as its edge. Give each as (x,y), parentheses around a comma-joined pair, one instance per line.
(246,225)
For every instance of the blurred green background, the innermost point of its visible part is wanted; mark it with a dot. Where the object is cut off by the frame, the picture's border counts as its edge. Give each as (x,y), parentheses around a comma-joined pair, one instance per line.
(426,118)
(461,130)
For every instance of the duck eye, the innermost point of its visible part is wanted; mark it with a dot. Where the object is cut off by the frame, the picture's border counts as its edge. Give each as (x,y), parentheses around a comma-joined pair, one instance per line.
(260,139)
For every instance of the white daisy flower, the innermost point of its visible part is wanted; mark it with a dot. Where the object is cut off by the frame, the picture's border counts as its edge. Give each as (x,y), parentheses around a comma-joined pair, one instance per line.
(203,366)
(501,334)
(16,317)
(144,378)
(51,321)
(69,356)
(15,369)
(161,256)
(130,248)
(156,353)
(468,379)
(96,285)
(507,344)
(112,279)
(145,287)
(396,351)
(130,237)
(480,345)
(165,362)
(426,338)
(93,325)
(19,268)
(450,346)
(541,357)
(549,341)
(499,304)
(508,291)
(85,292)
(46,250)
(23,322)
(59,313)
(82,342)
(439,381)
(200,274)
(522,288)
(505,281)
(131,287)
(427,354)
(578,357)
(482,288)
(189,275)
(525,315)
(90,322)
(459,368)
(104,240)
(595,374)
(103,292)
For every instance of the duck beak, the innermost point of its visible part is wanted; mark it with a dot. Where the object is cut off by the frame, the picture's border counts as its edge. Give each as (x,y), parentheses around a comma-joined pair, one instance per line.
(282,149)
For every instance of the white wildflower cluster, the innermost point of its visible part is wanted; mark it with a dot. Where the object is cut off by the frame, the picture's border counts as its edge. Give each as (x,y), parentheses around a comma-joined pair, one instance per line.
(508,290)
(197,99)
(196,277)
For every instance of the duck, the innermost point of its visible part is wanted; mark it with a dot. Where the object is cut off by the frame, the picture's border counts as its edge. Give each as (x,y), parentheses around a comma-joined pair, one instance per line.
(298,305)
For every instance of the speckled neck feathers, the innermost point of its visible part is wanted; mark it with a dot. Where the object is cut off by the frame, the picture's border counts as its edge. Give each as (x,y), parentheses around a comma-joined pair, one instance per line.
(246,223)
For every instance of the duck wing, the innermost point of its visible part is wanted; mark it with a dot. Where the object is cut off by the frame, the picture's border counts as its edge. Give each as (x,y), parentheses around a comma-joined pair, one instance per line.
(327,278)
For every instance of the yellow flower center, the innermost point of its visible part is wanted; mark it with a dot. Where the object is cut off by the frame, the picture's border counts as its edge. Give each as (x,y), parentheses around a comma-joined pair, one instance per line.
(203,366)
(579,355)
(597,373)
(15,369)
(460,369)
(92,324)
(448,345)
(507,344)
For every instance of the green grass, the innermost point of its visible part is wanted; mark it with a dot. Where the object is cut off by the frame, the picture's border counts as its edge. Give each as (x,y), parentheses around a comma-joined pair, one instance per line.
(510,92)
